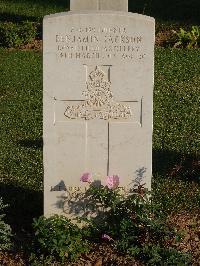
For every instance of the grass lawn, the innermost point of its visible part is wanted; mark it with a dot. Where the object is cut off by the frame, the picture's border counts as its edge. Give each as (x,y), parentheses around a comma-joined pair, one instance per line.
(16,11)
(168,13)
(176,129)
(175,159)
(21,134)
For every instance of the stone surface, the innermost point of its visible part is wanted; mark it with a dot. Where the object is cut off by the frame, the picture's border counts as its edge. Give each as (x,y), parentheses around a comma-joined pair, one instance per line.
(117,5)
(98,97)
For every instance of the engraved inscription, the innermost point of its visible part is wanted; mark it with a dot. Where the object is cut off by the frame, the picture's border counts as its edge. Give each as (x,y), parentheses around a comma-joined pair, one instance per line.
(99,43)
(99,101)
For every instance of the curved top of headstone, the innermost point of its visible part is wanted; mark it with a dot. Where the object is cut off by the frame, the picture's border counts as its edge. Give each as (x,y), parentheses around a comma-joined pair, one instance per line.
(115,5)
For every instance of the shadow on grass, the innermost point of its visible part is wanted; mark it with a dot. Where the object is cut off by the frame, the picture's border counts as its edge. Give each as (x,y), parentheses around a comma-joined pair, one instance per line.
(46,3)
(175,10)
(31,143)
(52,4)
(23,205)
(7,17)
(173,164)
(165,10)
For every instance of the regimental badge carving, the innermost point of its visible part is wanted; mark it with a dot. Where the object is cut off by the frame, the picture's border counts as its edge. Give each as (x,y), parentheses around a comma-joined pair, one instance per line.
(99,101)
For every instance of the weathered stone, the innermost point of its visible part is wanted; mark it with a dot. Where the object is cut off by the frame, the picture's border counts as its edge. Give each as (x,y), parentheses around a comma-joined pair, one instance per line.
(114,5)
(98,97)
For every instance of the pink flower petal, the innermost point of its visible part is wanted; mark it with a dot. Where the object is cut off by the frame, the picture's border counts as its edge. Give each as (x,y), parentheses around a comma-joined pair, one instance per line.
(86,177)
(112,181)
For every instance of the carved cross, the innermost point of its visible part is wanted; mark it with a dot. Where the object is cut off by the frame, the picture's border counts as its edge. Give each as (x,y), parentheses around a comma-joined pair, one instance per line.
(100,109)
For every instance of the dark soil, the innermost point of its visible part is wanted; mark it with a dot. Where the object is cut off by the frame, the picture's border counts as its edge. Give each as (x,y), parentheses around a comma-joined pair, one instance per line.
(104,255)
(189,227)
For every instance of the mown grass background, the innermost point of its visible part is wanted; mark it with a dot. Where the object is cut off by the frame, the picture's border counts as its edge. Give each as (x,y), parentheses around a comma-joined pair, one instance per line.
(176,133)
(31,10)
(21,135)
(166,11)
(176,142)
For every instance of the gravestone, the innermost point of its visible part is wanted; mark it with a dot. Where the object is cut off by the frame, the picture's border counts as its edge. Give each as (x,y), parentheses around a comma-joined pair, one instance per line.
(114,5)
(98,98)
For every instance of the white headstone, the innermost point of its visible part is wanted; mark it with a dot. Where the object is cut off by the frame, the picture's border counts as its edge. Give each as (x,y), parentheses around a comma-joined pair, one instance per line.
(114,5)
(98,98)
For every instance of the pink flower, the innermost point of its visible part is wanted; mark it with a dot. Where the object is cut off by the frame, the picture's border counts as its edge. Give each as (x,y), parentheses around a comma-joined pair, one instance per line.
(112,181)
(107,237)
(86,177)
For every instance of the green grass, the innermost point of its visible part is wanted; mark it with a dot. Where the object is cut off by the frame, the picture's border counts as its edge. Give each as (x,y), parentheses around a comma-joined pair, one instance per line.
(21,83)
(177,83)
(176,129)
(177,80)
(21,134)
(32,10)
(165,11)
